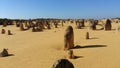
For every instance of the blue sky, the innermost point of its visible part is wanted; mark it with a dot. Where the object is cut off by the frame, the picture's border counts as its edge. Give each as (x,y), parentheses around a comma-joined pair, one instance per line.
(59,9)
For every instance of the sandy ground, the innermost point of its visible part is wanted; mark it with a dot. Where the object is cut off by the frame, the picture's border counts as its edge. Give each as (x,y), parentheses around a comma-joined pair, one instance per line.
(42,49)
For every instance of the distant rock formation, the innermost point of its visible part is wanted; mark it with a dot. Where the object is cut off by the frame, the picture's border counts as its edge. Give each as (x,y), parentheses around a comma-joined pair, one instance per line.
(108,25)
(87,35)
(3,31)
(9,32)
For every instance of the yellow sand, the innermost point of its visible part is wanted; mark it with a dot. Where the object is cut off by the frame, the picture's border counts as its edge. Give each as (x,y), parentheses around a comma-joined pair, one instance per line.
(42,49)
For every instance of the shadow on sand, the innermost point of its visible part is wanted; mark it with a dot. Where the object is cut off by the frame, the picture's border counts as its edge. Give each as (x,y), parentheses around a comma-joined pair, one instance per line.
(11,55)
(94,38)
(7,55)
(76,57)
(89,46)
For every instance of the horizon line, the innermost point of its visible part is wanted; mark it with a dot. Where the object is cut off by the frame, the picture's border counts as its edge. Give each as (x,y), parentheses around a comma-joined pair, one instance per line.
(59,18)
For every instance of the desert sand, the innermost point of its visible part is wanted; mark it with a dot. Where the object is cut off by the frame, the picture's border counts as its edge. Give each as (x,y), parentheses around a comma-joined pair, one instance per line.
(42,49)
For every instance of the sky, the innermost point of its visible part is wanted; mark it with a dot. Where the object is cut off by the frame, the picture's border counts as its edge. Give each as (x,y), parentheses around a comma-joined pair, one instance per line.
(26,9)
